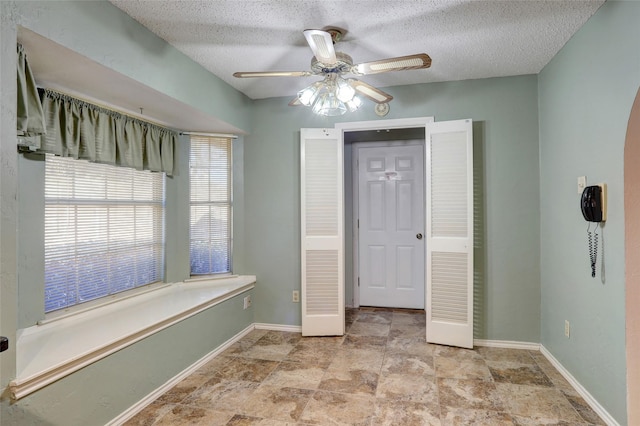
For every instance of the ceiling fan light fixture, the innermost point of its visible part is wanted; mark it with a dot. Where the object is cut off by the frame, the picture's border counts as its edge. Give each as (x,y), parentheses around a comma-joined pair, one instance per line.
(329,105)
(353,104)
(344,91)
(308,95)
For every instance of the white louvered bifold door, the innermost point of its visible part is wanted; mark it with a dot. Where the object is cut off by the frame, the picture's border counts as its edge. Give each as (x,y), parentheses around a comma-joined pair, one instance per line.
(322,229)
(449,237)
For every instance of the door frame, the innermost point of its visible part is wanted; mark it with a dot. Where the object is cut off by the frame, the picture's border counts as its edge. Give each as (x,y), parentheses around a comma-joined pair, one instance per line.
(356,205)
(401,123)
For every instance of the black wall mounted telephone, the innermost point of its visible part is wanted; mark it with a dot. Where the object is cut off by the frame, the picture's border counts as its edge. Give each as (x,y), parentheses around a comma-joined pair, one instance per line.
(593,204)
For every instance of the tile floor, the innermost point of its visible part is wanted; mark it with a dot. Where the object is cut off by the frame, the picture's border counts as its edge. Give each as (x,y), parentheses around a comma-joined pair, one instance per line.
(382,372)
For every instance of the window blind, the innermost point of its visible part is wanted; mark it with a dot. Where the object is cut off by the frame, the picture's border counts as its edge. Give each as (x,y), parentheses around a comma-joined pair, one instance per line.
(210,201)
(104,230)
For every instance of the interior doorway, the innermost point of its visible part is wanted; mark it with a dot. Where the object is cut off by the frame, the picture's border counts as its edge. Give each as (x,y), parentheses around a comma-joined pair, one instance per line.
(384,244)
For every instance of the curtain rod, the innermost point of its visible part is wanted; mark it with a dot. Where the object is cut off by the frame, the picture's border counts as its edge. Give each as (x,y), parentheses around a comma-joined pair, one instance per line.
(215,135)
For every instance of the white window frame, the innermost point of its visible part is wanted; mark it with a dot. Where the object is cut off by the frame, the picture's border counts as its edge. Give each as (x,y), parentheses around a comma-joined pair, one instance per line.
(223,198)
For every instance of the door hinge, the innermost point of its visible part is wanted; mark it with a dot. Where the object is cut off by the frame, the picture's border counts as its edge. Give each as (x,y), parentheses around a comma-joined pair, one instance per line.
(358,223)
(358,281)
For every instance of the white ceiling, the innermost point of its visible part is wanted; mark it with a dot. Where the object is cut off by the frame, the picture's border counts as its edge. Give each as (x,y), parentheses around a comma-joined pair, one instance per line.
(466,39)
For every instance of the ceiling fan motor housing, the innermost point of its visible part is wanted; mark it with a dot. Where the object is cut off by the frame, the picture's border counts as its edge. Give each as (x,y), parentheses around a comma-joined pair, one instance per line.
(343,64)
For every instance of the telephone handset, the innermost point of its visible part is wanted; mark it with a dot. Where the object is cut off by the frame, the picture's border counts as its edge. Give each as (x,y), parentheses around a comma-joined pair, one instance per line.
(593,204)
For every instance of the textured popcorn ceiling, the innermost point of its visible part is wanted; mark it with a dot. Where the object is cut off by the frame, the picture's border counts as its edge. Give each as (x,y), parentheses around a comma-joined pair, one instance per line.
(465,39)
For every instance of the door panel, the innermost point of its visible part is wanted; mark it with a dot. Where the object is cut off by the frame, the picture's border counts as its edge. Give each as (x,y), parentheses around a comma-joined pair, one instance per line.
(322,232)
(391,211)
(449,236)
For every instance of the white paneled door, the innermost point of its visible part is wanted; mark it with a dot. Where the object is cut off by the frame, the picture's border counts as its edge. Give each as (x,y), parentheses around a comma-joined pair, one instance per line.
(391,226)
(322,232)
(449,253)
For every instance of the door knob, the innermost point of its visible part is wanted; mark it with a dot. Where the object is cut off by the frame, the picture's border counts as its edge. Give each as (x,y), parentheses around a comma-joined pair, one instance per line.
(419,236)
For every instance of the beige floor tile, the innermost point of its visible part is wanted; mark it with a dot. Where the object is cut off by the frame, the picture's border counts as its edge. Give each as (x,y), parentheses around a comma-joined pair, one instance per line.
(275,352)
(462,368)
(221,394)
(378,317)
(369,329)
(238,348)
(537,401)
(403,413)
(466,417)
(295,375)
(412,331)
(253,370)
(409,319)
(456,353)
(321,342)
(149,414)
(404,363)
(186,415)
(350,381)
(581,406)
(329,408)
(519,374)
(404,387)
(410,346)
(518,356)
(254,335)
(357,359)
(212,367)
(284,404)
(312,355)
(364,342)
(242,420)
(183,389)
(468,394)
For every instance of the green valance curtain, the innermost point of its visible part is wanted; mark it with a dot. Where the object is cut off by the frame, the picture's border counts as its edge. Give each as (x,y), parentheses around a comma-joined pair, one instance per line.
(78,129)
(30,119)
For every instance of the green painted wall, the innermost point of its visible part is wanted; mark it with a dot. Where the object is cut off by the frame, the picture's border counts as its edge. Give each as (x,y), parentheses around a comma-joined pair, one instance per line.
(585,96)
(506,149)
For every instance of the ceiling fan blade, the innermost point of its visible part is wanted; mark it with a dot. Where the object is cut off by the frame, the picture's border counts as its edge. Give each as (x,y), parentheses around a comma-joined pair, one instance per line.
(321,44)
(401,63)
(375,94)
(272,74)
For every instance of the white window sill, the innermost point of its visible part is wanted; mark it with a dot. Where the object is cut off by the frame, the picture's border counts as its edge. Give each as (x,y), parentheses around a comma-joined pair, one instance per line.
(56,349)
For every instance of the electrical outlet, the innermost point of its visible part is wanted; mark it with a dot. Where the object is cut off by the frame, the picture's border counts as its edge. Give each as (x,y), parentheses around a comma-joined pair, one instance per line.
(247,302)
(567,329)
(296,296)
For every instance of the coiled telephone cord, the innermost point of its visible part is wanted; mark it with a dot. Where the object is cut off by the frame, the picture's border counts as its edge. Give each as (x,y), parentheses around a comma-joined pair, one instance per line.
(593,248)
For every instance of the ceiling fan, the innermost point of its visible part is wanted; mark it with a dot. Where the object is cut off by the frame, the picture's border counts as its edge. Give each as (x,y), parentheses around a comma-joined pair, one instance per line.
(335,95)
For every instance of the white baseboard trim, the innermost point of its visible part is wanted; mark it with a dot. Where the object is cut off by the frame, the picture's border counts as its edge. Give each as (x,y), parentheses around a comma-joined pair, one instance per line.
(144,402)
(278,327)
(595,405)
(508,344)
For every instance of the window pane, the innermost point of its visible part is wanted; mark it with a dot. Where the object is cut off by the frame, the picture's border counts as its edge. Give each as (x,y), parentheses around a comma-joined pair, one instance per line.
(210,177)
(104,230)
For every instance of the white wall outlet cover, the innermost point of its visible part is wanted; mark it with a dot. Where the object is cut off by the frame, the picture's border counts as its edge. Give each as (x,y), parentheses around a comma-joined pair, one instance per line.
(582,183)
